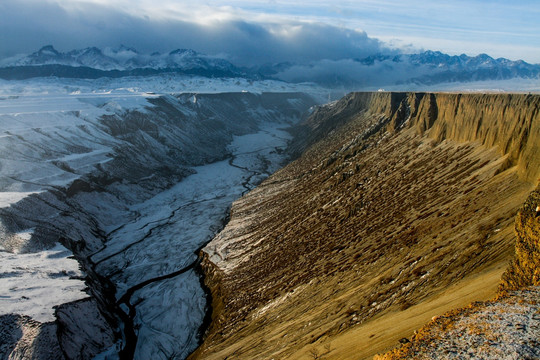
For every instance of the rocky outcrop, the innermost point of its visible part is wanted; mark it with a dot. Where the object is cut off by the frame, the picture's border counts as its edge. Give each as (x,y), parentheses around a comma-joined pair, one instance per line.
(499,329)
(24,338)
(79,333)
(525,268)
(395,198)
(82,339)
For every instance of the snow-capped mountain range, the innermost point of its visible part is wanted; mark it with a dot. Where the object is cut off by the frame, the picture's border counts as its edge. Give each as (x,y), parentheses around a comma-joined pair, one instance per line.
(477,67)
(121,58)
(425,68)
(113,62)
(439,59)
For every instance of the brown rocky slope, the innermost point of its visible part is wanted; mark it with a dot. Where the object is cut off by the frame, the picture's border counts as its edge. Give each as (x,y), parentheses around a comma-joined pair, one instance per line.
(400,208)
(507,327)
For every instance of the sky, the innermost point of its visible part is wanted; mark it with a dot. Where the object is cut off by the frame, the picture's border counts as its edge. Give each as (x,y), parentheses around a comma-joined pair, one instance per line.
(256,32)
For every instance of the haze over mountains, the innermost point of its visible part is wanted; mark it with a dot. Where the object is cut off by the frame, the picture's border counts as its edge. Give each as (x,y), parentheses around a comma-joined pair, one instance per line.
(392,68)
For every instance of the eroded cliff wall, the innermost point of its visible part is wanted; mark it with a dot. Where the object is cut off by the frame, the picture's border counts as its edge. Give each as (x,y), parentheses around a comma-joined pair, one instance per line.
(507,121)
(400,207)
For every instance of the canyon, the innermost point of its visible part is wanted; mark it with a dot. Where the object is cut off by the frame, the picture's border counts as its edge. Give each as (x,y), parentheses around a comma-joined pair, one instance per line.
(394,208)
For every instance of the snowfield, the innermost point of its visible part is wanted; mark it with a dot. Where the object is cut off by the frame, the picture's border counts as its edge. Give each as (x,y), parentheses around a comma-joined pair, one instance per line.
(31,284)
(517,85)
(136,177)
(128,89)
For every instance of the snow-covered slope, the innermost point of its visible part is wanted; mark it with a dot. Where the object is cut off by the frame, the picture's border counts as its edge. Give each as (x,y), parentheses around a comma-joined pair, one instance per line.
(133,181)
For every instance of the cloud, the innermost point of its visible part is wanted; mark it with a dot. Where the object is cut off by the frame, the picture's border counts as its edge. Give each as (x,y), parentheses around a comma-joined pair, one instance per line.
(258,31)
(26,25)
(351,72)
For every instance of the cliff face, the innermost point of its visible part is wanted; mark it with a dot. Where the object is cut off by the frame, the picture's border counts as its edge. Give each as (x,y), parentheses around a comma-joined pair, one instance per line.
(400,208)
(507,121)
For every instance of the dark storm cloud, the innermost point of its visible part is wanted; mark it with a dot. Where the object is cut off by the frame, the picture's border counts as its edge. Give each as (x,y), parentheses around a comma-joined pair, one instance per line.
(27,25)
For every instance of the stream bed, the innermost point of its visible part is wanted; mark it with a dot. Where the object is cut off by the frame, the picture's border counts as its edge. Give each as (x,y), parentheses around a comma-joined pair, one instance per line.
(151,259)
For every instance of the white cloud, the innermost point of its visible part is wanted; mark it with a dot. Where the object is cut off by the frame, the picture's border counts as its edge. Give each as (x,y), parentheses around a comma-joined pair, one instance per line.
(352,73)
(280,30)
(212,30)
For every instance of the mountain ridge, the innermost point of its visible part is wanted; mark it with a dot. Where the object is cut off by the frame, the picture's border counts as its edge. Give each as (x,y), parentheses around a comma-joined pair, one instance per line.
(427,68)
(92,63)
(121,58)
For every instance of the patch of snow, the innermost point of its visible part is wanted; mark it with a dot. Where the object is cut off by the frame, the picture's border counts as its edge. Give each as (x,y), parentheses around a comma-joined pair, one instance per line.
(25,235)
(110,353)
(507,328)
(519,85)
(143,87)
(168,316)
(31,284)
(10,197)
(278,301)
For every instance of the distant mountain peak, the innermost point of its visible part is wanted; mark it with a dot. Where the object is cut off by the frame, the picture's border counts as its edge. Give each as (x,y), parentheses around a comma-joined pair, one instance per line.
(484,56)
(433,52)
(124,48)
(184,52)
(93,49)
(48,49)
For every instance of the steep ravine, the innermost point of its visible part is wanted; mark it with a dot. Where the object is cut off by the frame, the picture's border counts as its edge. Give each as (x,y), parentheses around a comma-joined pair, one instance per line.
(136,216)
(400,207)
(139,297)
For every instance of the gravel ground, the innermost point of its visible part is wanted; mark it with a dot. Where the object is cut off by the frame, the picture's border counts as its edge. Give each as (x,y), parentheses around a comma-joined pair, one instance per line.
(507,328)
